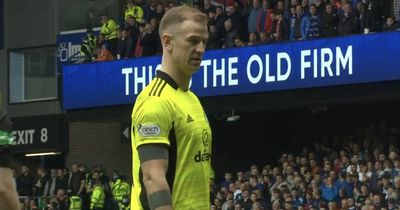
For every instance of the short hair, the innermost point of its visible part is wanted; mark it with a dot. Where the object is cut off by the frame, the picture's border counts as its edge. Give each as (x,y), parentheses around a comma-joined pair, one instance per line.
(178,15)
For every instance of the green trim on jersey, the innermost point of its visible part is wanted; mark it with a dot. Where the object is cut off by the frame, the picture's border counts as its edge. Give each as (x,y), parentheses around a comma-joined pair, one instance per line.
(160,110)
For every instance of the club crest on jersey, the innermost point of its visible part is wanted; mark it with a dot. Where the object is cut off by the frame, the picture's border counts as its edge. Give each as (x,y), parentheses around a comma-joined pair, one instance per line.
(149,130)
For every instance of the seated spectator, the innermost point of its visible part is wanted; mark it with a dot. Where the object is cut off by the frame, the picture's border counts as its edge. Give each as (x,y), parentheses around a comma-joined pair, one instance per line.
(253,40)
(239,42)
(391,24)
(105,53)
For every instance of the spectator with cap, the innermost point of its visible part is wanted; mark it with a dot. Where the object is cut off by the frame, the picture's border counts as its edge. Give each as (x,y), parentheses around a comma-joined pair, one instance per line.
(110,30)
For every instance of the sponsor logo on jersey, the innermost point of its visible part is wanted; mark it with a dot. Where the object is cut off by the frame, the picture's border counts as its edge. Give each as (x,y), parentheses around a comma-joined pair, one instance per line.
(204,137)
(149,130)
(202,156)
(189,119)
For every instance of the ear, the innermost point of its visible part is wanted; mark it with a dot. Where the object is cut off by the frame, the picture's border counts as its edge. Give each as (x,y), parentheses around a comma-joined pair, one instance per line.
(167,41)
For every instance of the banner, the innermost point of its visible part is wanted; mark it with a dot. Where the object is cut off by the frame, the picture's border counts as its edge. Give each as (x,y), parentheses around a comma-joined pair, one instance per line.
(292,65)
(39,134)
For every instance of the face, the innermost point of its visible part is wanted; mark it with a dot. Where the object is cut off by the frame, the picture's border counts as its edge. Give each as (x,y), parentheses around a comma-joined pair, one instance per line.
(75,168)
(265,4)
(347,8)
(313,10)
(255,3)
(24,169)
(228,25)
(390,21)
(60,173)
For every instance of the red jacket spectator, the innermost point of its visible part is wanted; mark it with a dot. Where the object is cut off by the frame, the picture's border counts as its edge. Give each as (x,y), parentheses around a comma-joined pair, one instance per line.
(264,21)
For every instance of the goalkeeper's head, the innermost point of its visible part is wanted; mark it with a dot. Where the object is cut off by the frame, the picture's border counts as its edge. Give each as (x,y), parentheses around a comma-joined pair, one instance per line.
(5,129)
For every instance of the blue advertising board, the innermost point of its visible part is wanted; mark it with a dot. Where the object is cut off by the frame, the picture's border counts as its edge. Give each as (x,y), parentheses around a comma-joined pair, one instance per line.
(263,68)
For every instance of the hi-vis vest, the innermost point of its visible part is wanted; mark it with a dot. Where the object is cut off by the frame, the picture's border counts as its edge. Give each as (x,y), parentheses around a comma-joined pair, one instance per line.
(120,189)
(98,198)
(75,203)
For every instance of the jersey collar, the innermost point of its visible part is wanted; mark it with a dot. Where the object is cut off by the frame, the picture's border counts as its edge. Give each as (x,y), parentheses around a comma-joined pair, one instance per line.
(168,79)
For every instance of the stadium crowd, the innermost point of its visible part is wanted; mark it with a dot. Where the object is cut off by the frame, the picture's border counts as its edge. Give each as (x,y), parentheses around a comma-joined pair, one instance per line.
(360,171)
(237,23)
(75,189)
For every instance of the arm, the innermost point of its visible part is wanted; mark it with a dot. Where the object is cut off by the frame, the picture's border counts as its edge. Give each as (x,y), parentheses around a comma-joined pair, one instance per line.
(8,193)
(154,164)
(83,184)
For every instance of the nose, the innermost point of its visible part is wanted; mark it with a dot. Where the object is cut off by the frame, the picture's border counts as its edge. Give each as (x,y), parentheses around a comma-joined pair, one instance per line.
(201,47)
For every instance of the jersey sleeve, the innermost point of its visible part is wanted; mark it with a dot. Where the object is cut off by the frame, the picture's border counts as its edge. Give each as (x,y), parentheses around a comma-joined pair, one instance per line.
(152,122)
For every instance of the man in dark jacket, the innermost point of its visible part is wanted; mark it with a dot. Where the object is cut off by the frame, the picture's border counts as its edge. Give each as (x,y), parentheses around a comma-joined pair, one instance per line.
(349,23)
(280,28)
(329,22)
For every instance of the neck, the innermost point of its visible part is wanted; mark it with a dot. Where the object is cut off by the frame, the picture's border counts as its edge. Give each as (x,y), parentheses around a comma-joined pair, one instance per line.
(171,69)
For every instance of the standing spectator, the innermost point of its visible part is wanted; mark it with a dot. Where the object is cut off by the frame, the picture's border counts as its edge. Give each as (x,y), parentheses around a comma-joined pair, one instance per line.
(52,182)
(207,7)
(330,192)
(133,10)
(41,185)
(280,28)
(311,29)
(149,41)
(329,22)
(220,18)
(348,21)
(159,12)
(230,35)
(150,11)
(110,30)
(237,21)
(124,46)
(61,180)
(25,182)
(214,37)
(264,20)
(391,25)
(361,13)
(295,19)
(253,17)
(321,5)
(77,184)
(132,28)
